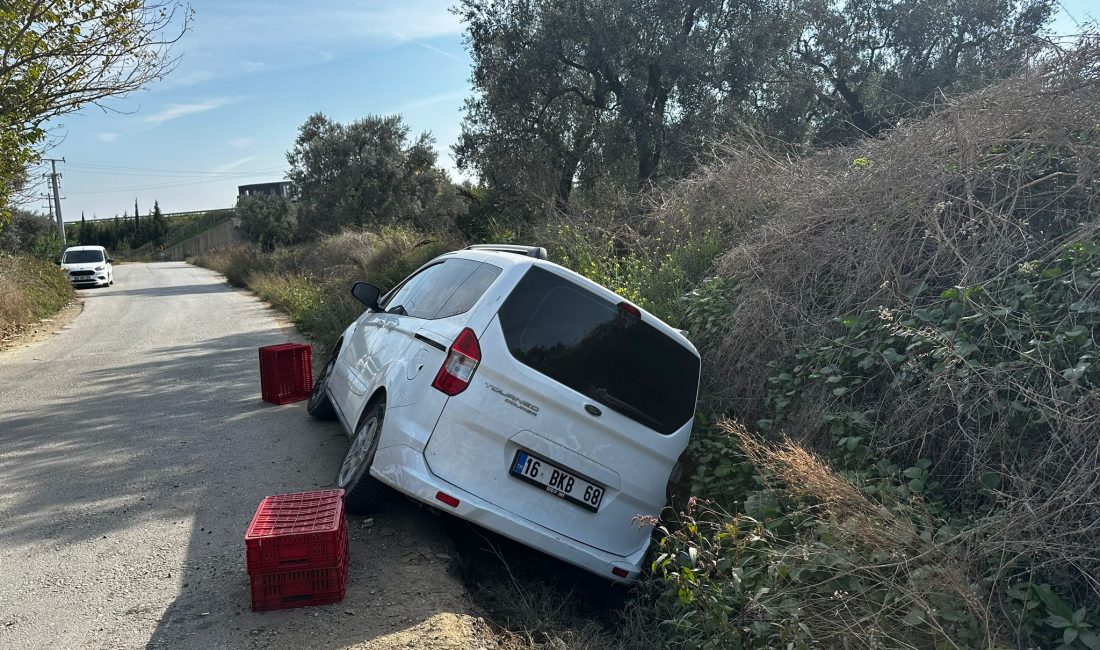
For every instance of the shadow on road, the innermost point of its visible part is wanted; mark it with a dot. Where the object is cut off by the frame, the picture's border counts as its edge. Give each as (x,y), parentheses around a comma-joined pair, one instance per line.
(174,444)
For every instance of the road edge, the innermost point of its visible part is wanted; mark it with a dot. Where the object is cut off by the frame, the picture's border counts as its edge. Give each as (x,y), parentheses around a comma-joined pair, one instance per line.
(33,333)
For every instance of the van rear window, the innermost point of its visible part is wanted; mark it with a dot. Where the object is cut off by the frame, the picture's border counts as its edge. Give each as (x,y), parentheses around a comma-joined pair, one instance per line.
(591,345)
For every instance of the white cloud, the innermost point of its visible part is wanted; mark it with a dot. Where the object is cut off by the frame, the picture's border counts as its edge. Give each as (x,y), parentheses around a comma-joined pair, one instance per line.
(323,22)
(242,143)
(229,166)
(176,111)
(107,136)
(455,97)
(231,38)
(429,46)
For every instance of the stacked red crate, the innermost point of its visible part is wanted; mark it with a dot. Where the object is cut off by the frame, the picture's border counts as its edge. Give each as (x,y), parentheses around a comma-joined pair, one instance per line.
(286,373)
(296,550)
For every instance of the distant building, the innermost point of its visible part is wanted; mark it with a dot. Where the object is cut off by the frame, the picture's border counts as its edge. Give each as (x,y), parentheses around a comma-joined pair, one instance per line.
(279,188)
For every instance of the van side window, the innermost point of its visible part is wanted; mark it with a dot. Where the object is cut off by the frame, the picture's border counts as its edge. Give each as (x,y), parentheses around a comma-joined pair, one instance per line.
(468,293)
(412,292)
(442,290)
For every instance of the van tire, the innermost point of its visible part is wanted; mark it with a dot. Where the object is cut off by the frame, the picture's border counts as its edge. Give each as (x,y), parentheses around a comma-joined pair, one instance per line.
(362,492)
(320,404)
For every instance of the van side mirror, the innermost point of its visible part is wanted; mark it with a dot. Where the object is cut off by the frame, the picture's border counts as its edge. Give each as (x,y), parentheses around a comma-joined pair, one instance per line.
(367,294)
(110,260)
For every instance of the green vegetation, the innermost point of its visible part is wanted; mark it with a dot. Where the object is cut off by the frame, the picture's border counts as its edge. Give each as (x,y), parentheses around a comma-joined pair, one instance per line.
(914,341)
(30,289)
(312,283)
(60,55)
(896,439)
(367,173)
(266,220)
(580,98)
(141,236)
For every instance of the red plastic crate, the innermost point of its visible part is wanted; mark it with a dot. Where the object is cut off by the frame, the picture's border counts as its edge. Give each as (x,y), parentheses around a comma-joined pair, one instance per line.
(296,550)
(286,373)
(300,588)
(297,531)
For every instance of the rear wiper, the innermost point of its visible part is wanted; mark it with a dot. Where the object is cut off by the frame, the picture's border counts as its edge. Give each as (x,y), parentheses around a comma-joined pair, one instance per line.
(619,405)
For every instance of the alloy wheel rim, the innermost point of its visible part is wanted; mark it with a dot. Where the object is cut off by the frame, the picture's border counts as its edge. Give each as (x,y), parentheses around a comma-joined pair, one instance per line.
(357,454)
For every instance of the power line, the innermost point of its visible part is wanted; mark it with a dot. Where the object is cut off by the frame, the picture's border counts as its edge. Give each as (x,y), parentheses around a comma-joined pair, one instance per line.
(111,172)
(1062,6)
(160,186)
(123,170)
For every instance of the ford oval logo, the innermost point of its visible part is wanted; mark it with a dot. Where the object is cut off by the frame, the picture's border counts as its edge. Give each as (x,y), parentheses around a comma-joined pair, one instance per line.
(592,410)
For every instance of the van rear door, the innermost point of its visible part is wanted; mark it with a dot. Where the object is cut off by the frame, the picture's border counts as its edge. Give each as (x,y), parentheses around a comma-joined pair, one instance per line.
(577,413)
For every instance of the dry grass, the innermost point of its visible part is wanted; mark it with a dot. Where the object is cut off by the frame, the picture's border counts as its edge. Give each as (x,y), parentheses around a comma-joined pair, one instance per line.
(30,289)
(959,199)
(1005,176)
(14,307)
(312,282)
(902,572)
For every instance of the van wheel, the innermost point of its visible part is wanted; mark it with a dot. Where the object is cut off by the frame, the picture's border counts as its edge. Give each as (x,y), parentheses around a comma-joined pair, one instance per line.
(363,492)
(320,404)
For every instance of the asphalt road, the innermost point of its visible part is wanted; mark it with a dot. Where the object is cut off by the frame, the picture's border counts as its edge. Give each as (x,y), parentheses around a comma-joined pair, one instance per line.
(134,449)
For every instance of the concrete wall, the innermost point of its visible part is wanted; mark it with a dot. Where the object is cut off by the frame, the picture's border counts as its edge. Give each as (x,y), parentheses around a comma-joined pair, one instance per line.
(221,235)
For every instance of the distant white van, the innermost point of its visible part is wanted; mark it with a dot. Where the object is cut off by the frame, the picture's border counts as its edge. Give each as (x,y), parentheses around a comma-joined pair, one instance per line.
(88,266)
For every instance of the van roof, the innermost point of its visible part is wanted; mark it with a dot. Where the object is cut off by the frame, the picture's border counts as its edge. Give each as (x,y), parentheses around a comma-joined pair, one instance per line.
(85,248)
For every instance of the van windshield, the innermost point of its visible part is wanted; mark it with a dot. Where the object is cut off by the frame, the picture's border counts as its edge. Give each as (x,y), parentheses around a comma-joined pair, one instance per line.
(83,257)
(611,356)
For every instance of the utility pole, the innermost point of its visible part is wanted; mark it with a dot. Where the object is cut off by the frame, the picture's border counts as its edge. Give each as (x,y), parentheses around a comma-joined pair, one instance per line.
(57,197)
(48,198)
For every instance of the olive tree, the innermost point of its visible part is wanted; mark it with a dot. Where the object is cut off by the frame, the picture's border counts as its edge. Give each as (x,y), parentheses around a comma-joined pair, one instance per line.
(57,56)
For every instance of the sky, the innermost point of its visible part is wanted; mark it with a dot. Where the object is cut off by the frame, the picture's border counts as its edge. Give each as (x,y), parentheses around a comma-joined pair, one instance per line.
(250,73)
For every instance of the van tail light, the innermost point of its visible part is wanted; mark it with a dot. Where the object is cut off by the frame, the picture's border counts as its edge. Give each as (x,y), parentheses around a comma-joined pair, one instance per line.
(458,369)
(628,308)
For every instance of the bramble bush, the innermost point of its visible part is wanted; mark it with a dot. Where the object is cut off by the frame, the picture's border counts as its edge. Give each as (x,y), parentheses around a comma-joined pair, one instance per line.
(654,272)
(773,555)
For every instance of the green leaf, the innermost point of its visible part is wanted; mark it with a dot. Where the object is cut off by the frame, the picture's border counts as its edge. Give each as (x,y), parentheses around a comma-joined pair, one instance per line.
(1054,604)
(1076,372)
(841,390)
(1090,639)
(966,349)
(914,617)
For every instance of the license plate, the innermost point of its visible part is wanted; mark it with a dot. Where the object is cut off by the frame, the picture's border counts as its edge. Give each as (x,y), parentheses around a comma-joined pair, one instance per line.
(557,481)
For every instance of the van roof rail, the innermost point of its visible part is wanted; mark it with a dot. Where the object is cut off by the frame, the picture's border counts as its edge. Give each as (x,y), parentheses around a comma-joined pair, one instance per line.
(537,252)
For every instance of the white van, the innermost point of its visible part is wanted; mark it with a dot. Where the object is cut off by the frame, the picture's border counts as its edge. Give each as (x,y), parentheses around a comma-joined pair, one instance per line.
(88,266)
(513,393)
